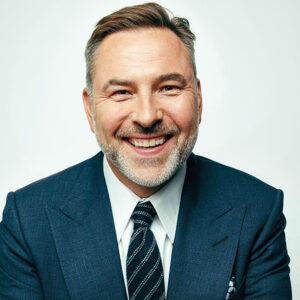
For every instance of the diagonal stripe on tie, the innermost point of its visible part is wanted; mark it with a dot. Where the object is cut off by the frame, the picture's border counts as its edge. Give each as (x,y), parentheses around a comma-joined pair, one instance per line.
(144,266)
(137,249)
(144,213)
(142,263)
(144,281)
(154,289)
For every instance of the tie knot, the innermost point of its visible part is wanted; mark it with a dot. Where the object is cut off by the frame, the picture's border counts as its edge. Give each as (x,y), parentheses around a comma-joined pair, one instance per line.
(143,215)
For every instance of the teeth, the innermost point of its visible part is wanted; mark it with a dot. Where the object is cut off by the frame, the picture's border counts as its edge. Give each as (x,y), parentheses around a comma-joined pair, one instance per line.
(147,143)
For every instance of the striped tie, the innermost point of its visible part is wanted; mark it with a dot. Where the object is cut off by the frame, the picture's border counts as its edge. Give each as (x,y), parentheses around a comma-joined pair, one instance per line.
(145,279)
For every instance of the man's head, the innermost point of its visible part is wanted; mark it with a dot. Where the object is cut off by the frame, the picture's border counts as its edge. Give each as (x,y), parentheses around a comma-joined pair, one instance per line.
(144,101)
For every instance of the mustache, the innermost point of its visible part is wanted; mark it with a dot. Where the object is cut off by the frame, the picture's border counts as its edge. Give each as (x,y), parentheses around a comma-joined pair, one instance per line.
(159,129)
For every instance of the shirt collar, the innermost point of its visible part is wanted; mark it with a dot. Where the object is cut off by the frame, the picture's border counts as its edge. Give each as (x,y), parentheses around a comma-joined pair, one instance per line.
(123,201)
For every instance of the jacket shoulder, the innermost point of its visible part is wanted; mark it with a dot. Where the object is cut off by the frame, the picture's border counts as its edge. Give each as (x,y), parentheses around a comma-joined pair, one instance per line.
(236,185)
(50,188)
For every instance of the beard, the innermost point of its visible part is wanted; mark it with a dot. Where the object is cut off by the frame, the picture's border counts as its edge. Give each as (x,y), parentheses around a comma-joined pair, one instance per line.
(136,171)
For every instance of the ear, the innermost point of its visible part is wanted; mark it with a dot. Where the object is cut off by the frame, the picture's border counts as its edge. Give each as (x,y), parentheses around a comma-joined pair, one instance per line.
(199,95)
(88,108)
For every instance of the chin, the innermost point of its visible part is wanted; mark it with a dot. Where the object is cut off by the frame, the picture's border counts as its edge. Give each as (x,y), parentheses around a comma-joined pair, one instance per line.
(149,173)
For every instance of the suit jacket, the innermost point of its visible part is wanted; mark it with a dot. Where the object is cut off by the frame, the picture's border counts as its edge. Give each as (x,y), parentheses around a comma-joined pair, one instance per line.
(58,240)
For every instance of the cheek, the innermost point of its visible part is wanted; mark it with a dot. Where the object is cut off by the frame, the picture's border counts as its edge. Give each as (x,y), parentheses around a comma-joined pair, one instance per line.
(109,118)
(184,115)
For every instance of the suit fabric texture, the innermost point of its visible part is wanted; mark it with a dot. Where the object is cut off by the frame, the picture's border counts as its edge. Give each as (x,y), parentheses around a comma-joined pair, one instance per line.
(58,240)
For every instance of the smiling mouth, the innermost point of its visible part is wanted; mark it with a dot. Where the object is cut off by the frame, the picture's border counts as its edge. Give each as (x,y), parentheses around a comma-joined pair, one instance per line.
(148,142)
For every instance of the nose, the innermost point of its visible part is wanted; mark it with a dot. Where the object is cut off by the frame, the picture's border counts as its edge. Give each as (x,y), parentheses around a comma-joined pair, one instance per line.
(147,111)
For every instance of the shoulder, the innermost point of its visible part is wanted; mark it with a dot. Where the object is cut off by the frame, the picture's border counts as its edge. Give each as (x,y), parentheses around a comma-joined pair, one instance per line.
(235,186)
(57,187)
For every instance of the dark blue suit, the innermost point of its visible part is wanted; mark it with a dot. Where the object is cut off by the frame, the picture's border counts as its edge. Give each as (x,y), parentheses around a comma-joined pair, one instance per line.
(58,241)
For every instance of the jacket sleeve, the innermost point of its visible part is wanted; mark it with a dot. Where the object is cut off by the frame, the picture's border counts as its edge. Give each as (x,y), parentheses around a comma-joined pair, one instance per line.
(268,271)
(18,275)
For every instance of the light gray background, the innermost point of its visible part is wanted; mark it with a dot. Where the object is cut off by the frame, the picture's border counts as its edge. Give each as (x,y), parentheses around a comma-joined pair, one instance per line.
(248,58)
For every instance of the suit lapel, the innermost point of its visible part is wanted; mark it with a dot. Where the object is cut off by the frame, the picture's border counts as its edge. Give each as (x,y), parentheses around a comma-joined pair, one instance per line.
(206,239)
(85,238)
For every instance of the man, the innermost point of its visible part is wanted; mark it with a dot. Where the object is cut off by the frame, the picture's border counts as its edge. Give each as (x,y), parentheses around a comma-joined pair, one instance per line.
(145,219)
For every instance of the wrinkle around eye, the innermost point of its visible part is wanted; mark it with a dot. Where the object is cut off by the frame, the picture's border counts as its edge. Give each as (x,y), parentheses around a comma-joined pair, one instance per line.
(100,99)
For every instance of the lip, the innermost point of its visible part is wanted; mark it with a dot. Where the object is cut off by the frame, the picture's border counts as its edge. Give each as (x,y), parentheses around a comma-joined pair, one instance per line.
(152,151)
(158,139)
(147,137)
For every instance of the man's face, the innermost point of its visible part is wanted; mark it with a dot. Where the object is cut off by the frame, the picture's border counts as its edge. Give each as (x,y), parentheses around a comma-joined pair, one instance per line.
(146,107)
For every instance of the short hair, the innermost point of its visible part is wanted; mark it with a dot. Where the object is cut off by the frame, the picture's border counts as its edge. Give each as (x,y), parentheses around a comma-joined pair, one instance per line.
(132,17)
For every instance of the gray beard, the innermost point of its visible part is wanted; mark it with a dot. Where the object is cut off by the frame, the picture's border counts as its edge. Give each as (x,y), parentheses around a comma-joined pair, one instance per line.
(176,159)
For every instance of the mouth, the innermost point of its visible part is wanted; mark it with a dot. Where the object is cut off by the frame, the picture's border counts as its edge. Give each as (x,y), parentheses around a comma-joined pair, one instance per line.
(149,142)
(146,146)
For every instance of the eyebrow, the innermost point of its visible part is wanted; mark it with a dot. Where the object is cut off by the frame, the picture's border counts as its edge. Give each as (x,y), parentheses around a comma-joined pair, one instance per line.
(118,82)
(172,76)
(165,77)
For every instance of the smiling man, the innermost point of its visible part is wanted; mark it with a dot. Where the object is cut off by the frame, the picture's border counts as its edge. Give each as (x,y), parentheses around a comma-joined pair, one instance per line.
(145,218)
(144,105)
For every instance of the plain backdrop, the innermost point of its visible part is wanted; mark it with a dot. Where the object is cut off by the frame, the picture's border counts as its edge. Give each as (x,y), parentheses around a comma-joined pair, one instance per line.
(248,59)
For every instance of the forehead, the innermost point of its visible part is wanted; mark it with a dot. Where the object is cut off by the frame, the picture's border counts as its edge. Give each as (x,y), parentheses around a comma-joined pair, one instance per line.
(141,52)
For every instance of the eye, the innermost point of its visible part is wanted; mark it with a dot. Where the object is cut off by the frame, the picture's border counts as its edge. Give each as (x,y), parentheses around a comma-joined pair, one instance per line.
(171,89)
(120,95)
(121,92)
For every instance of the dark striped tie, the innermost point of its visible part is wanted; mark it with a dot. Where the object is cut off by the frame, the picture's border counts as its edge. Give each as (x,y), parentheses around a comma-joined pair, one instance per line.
(145,279)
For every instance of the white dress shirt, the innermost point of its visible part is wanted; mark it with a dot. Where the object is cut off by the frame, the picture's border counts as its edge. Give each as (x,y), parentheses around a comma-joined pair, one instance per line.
(166,203)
